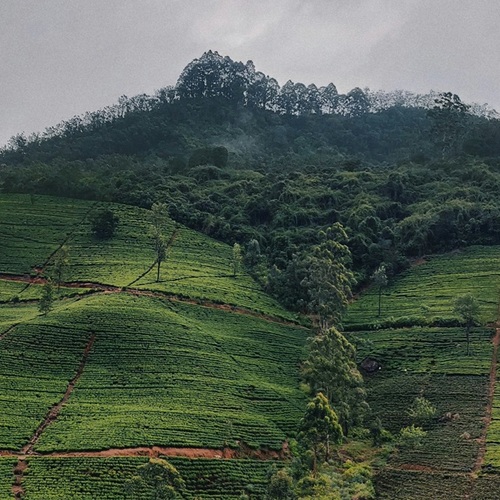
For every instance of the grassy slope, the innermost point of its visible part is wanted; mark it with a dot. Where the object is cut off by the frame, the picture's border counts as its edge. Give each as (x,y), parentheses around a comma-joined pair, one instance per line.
(196,267)
(177,375)
(55,478)
(431,362)
(428,290)
(159,372)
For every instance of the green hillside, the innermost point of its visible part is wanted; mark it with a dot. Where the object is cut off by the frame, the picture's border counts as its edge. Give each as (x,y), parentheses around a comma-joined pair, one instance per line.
(197,267)
(201,360)
(432,362)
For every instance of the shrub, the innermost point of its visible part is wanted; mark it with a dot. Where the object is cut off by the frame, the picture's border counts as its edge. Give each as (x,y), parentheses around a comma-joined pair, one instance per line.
(104,224)
(422,410)
(411,437)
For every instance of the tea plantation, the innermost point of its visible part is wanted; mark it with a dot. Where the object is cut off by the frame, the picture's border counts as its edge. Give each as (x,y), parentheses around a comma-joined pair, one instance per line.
(202,359)
(419,354)
(205,360)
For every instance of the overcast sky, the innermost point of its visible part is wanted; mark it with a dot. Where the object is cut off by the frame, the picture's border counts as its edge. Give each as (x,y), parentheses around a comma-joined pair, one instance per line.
(59,58)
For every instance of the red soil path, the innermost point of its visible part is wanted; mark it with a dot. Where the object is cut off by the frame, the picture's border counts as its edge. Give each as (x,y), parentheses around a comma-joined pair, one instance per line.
(148,293)
(488,414)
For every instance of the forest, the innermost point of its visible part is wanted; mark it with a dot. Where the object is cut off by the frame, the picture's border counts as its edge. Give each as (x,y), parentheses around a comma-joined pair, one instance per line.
(239,158)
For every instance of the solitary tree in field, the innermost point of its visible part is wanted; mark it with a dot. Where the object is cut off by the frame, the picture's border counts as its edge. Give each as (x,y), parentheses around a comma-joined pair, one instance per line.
(236,259)
(46,299)
(158,476)
(104,224)
(380,281)
(61,261)
(319,429)
(467,307)
(159,217)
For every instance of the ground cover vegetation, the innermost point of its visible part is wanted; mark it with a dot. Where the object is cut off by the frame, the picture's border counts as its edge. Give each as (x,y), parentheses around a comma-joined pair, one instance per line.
(318,195)
(51,478)
(425,380)
(145,369)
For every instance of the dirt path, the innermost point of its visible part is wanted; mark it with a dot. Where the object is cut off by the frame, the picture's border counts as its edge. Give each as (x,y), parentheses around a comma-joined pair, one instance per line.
(27,449)
(489,407)
(52,415)
(6,332)
(149,293)
(156,451)
(17,485)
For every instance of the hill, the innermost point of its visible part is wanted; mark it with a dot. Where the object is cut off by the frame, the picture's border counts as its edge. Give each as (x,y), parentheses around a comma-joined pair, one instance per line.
(114,373)
(419,352)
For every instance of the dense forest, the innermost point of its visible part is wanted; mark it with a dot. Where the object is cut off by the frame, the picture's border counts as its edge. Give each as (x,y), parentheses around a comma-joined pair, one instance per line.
(244,160)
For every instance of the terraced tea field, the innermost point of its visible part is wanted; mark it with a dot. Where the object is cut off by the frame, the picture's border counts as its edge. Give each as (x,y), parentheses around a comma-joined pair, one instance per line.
(55,478)
(197,267)
(432,362)
(201,364)
(426,291)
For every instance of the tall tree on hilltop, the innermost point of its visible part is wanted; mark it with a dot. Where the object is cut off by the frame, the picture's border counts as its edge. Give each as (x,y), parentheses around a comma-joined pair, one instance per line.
(450,117)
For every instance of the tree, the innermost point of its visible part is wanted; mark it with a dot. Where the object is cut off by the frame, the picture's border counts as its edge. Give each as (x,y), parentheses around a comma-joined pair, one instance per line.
(329,279)
(236,259)
(60,264)
(159,217)
(280,486)
(319,428)
(159,476)
(104,224)
(450,116)
(379,278)
(411,436)
(331,368)
(46,302)
(161,254)
(467,307)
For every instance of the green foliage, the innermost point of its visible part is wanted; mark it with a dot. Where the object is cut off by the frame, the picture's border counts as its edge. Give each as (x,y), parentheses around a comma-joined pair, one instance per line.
(158,475)
(329,280)
(60,263)
(450,120)
(104,224)
(46,302)
(331,368)
(467,307)
(411,436)
(422,411)
(319,429)
(236,259)
(84,478)
(379,278)
(280,486)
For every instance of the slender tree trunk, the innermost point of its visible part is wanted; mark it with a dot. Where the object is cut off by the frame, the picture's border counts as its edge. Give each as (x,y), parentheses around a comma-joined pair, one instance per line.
(158,271)
(467,330)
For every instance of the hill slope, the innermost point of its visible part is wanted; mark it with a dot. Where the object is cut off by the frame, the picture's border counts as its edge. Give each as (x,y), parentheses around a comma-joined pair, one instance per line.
(166,368)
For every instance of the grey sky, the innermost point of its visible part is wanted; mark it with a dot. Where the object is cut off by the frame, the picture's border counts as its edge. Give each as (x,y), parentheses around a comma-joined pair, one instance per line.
(59,58)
